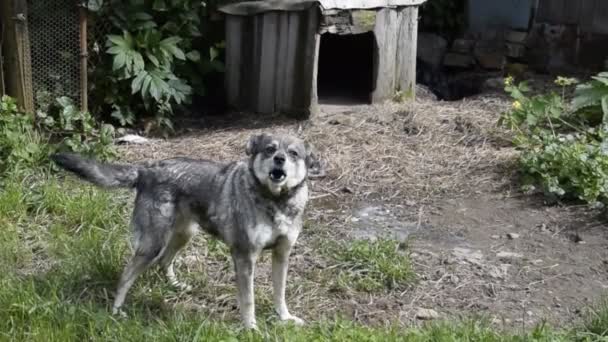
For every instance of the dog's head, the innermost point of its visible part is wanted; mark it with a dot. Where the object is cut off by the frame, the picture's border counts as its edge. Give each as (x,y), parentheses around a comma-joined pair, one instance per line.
(280,162)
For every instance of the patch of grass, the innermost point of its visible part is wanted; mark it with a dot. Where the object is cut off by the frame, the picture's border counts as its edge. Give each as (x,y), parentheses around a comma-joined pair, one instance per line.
(372,266)
(63,245)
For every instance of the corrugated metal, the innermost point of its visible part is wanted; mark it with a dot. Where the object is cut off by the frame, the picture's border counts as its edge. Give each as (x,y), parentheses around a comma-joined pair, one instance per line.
(590,15)
(484,14)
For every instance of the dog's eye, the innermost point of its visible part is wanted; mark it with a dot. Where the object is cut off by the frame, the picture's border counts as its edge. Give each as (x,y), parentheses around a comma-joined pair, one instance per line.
(271,149)
(293,154)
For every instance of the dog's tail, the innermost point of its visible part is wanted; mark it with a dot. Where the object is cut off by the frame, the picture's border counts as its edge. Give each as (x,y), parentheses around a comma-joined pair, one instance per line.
(106,175)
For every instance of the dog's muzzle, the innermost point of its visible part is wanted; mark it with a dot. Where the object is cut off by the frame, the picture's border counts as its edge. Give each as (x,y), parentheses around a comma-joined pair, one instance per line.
(277,175)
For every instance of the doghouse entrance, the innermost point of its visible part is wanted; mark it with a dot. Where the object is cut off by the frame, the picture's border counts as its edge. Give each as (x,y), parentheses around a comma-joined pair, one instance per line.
(346,68)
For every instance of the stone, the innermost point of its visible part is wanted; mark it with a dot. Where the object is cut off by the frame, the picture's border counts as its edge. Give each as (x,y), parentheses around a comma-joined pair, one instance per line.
(431,48)
(458,60)
(513,236)
(490,55)
(132,139)
(515,50)
(465,254)
(426,314)
(495,237)
(491,61)
(514,36)
(491,85)
(508,256)
(464,46)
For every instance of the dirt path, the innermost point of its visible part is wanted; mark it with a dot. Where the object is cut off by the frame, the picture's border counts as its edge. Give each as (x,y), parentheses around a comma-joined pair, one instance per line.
(438,176)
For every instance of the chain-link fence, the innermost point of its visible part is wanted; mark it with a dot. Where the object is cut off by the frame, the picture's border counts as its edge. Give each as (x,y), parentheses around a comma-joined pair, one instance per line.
(55,50)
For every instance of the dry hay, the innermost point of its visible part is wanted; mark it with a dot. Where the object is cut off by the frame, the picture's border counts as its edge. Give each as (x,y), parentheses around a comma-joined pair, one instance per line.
(391,152)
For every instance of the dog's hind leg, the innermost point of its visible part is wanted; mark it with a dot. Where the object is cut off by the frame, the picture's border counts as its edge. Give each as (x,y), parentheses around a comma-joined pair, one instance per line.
(183,232)
(136,266)
(153,218)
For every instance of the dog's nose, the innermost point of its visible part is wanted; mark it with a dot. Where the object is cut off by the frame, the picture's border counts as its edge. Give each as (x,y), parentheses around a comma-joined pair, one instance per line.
(279,159)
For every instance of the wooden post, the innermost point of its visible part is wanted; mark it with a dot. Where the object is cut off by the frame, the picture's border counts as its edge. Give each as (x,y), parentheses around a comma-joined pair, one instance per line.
(406,51)
(84,55)
(17,58)
(2,30)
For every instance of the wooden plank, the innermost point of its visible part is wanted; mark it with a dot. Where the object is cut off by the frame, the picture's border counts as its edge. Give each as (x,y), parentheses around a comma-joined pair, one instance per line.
(253,64)
(600,22)
(551,11)
(268,41)
(17,57)
(406,51)
(587,12)
(385,61)
(257,7)
(310,55)
(571,12)
(282,55)
(294,23)
(234,31)
(314,95)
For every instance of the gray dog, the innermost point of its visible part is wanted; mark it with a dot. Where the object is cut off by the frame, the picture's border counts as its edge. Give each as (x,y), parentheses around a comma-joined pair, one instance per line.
(250,205)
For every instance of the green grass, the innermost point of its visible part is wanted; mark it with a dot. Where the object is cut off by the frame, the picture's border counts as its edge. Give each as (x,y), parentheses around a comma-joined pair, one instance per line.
(63,245)
(371,266)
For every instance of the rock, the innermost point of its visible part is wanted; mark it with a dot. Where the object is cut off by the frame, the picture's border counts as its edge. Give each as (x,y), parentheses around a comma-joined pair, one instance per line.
(513,236)
(457,60)
(537,262)
(515,50)
(431,48)
(465,254)
(132,139)
(508,256)
(464,46)
(518,37)
(426,314)
(495,237)
(490,55)
(491,61)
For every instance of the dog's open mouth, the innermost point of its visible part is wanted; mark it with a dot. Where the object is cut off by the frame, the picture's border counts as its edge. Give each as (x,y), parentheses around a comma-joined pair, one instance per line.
(277,175)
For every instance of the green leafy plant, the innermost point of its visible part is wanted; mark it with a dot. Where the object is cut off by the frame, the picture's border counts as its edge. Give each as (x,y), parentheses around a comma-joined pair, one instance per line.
(562,152)
(26,140)
(21,146)
(69,129)
(154,59)
(591,98)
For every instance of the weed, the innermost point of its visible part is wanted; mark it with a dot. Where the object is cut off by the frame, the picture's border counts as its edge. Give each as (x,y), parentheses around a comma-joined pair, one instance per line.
(371,266)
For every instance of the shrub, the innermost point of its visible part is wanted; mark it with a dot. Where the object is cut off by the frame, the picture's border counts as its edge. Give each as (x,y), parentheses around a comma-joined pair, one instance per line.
(564,150)
(154,59)
(25,143)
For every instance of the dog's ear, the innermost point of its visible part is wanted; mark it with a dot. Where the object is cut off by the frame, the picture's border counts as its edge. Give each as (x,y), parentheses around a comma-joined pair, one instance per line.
(254,143)
(313,162)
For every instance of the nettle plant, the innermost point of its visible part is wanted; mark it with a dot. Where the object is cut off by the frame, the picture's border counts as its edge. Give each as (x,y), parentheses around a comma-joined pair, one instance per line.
(155,62)
(563,143)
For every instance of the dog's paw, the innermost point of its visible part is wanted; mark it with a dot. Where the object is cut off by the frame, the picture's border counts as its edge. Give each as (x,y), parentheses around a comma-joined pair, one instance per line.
(251,326)
(182,287)
(295,320)
(118,313)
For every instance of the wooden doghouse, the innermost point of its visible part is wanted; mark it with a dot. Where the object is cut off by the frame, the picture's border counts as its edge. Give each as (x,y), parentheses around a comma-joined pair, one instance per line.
(283,56)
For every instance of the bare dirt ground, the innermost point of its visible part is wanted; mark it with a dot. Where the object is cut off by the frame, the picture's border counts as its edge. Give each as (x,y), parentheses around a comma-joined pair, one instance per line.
(439,175)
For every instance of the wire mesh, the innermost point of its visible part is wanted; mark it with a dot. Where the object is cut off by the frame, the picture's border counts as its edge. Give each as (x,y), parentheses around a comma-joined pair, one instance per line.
(55,50)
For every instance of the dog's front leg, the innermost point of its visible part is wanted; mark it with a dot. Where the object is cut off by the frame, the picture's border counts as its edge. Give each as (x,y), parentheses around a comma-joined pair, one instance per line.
(244,264)
(280,262)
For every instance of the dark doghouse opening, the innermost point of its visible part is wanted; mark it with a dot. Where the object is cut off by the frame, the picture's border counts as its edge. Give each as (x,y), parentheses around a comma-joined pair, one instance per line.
(346,67)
